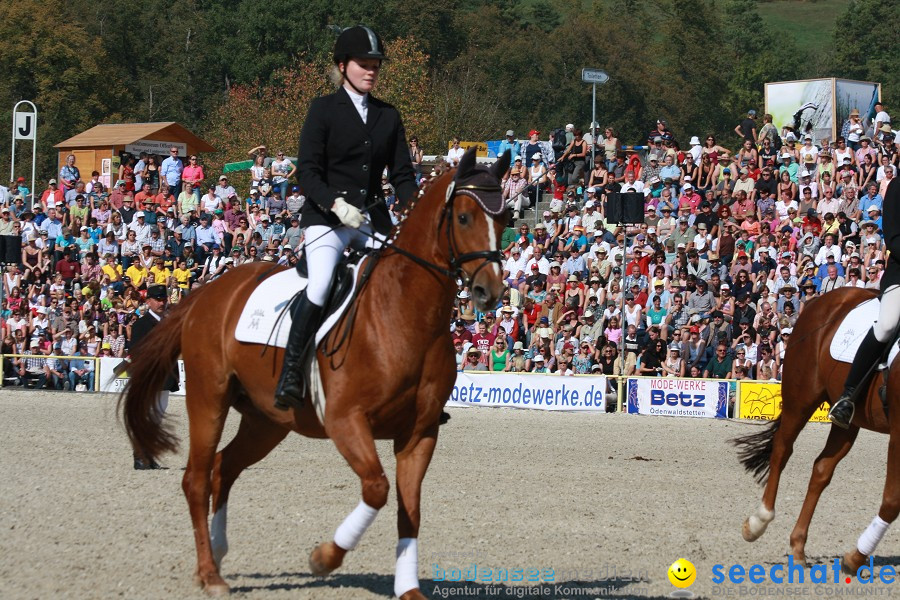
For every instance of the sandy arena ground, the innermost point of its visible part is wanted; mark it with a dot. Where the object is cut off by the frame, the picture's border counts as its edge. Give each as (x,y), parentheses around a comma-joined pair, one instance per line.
(607,501)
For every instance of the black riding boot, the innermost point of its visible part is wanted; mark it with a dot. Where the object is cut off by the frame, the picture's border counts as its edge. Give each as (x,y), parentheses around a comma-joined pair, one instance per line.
(291,385)
(868,355)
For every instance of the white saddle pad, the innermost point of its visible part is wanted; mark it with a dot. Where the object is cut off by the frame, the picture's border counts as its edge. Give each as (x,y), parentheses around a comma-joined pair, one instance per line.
(853,329)
(258,319)
(260,314)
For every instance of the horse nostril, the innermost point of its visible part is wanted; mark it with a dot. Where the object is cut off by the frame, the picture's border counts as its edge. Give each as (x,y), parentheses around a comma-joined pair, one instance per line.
(480,293)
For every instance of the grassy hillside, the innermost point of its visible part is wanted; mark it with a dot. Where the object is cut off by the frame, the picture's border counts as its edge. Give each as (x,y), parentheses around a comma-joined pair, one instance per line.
(810,22)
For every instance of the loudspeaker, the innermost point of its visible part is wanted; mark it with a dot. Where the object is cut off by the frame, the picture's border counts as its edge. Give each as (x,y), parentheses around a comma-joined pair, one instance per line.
(625,208)
(10,249)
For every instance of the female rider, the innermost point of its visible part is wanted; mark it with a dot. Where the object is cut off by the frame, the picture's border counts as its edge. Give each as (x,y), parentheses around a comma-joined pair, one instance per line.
(348,139)
(882,332)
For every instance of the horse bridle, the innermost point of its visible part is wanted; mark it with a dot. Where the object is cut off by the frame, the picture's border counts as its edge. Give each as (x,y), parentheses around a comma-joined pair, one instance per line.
(456,259)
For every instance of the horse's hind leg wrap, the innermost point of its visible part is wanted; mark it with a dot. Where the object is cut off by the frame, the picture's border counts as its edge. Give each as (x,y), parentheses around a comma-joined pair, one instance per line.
(354,526)
(872,535)
(759,520)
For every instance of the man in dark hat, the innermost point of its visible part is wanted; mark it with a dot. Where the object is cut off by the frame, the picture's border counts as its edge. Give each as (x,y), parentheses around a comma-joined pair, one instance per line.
(156,305)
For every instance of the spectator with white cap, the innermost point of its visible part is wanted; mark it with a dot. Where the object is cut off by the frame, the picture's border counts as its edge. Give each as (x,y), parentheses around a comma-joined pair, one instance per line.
(514,269)
(689,198)
(696,149)
(140,228)
(591,219)
(788,164)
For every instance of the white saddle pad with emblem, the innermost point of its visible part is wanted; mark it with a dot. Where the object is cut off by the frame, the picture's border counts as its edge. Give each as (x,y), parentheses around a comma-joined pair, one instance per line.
(853,329)
(260,315)
(259,322)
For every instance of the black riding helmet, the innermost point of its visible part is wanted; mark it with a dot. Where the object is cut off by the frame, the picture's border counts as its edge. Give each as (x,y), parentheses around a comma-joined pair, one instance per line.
(358,42)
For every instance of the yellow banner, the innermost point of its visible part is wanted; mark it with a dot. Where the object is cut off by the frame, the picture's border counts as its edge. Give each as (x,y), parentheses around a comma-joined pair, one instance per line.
(761,401)
(482,149)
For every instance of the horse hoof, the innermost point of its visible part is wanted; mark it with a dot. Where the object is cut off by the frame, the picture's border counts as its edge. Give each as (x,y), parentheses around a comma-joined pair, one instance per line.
(413,594)
(325,558)
(748,535)
(800,559)
(218,590)
(214,586)
(852,561)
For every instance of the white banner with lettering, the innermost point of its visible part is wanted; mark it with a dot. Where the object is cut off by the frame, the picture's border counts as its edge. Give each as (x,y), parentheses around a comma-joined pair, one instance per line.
(678,397)
(109,382)
(156,147)
(520,390)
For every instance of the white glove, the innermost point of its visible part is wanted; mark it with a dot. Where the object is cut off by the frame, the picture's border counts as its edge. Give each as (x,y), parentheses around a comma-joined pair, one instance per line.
(347,213)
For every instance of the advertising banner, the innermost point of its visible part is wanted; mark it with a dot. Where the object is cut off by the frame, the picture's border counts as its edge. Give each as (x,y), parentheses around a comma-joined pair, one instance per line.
(820,106)
(761,401)
(541,392)
(807,106)
(678,397)
(110,382)
(481,148)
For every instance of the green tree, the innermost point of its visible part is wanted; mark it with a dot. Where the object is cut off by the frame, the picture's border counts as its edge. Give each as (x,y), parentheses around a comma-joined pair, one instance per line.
(754,59)
(864,48)
(57,65)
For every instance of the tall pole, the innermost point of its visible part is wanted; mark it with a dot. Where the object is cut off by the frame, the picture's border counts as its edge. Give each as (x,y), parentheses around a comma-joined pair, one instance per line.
(623,381)
(593,123)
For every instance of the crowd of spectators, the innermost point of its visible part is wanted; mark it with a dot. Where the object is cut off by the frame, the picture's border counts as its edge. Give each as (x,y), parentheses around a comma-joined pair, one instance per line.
(89,252)
(736,237)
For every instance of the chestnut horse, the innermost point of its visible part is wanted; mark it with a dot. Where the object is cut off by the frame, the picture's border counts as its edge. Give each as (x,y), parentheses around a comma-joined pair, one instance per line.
(811,377)
(374,390)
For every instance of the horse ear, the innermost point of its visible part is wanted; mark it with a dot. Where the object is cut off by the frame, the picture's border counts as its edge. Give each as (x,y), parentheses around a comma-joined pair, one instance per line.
(499,168)
(466,163)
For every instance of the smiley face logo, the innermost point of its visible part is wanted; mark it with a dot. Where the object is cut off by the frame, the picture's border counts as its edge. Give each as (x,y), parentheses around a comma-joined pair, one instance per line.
(682,573)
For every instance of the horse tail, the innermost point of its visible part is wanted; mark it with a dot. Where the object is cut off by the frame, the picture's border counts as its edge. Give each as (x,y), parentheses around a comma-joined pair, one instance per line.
(150,436)
(755,450)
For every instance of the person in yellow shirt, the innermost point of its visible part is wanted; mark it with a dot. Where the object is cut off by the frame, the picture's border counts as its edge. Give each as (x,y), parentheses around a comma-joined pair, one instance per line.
(113,271)
(138,274)
(159,273)
(182,275)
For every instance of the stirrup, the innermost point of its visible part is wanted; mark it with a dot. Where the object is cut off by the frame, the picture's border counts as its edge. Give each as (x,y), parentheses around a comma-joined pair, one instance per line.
(838,407)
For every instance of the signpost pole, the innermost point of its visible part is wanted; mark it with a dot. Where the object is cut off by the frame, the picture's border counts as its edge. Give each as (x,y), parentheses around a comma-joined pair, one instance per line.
(25,129)
(595,77)
(593,123)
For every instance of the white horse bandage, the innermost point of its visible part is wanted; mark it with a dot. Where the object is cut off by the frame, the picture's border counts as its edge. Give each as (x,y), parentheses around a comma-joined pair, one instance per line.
(759,520)
(406,576)
(217,534)
(354,526)
(872,535)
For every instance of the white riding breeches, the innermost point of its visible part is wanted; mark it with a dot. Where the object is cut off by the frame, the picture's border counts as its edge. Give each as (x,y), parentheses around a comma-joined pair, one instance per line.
(888,315)
(324,247)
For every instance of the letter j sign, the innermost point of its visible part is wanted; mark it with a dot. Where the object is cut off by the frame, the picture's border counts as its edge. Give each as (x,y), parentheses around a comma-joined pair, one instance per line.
(25,128)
